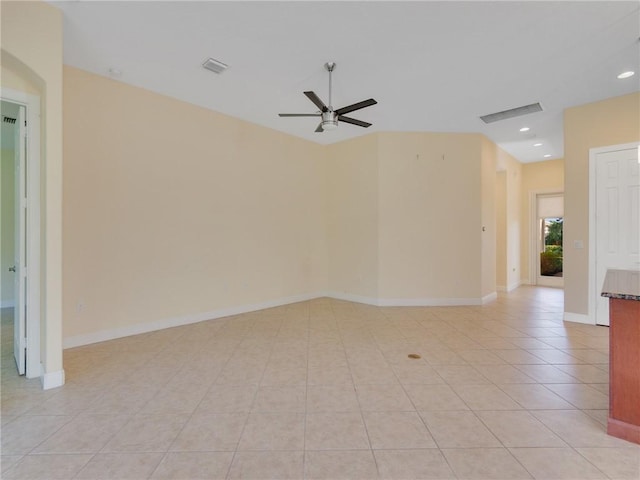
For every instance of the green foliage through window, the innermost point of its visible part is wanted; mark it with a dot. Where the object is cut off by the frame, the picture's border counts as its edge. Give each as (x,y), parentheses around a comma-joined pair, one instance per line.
(554,232)
(551,258)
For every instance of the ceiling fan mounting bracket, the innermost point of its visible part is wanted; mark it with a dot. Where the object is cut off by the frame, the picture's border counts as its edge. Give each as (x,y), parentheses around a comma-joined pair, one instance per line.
(330,66)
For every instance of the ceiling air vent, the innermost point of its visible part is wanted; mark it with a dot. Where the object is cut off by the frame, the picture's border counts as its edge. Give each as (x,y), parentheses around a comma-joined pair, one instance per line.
(214,65)
(514,112)
(8,120)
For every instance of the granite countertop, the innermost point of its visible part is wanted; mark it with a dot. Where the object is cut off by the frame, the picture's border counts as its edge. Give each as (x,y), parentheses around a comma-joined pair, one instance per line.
(623,284)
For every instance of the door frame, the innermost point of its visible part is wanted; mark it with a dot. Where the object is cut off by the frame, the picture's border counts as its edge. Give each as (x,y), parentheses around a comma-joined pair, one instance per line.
(534,254)
(34,240)
(593,289)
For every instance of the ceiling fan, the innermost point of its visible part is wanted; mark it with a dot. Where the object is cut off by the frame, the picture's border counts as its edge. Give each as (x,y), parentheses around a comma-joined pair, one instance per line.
(329,116)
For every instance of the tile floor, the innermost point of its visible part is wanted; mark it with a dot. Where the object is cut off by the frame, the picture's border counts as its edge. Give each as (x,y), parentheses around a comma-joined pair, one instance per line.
(324,390)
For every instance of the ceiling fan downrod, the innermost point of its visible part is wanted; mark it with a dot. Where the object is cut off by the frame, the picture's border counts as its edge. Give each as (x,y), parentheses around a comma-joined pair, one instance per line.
(330,66)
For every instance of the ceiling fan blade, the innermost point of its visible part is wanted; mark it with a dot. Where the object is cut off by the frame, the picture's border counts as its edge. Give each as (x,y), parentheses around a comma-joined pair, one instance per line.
(353,121)
(356,106)
(317,102)
(299,114)
(319,129)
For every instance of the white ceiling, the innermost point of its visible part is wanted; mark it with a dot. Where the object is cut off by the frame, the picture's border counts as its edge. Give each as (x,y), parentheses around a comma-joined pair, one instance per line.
(432,66)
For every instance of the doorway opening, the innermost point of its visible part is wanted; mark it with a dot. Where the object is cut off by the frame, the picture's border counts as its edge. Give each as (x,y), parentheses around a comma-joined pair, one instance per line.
(551,243)
(547,224)
(20,216)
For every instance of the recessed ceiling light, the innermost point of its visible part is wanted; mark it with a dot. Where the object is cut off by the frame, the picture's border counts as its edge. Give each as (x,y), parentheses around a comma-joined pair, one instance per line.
(626,74)
(537,144)
(547,155)
(525,129)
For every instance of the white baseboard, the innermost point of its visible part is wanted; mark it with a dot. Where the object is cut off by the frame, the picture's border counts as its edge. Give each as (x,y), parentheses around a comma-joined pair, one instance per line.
(514,285)
(489,298)
(578,318)
(7,304)
(350,297)
(429,302)
(136,329)
(52,379)
(412,302)
(509,288)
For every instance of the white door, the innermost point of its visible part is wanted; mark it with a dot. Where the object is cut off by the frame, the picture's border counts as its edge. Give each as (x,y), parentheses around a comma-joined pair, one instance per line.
(617,218)
(20,265)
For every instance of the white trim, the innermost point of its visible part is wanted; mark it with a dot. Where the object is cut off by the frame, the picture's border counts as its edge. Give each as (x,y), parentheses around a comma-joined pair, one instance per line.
(105,335)
(51,380)
(510,288)
(7,304)
(32,104)
(489,298)
(578,318)
(514,285)
(350,297)
(136,329)
(533,237)
(413,302)
(434,302)
(593,289)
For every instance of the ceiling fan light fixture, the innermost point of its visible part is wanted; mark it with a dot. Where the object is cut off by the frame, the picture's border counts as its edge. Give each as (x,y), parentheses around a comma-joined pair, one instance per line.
(330,125)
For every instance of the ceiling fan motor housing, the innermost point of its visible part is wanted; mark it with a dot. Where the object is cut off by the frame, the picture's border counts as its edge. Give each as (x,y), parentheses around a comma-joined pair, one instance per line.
(329,120)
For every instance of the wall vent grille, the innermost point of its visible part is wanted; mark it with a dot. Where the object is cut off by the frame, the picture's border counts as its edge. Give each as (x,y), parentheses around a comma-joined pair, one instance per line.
(214,65)
(512,113)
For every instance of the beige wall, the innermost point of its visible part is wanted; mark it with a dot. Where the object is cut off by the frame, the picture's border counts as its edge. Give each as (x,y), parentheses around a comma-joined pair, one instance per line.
(32,53)
(13,80)
(513,227)
(172,210)
(509,222)
(352,221)
(487,227)
(430,217)
(547,176)
(609,122)
(405,212)
(7,231)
